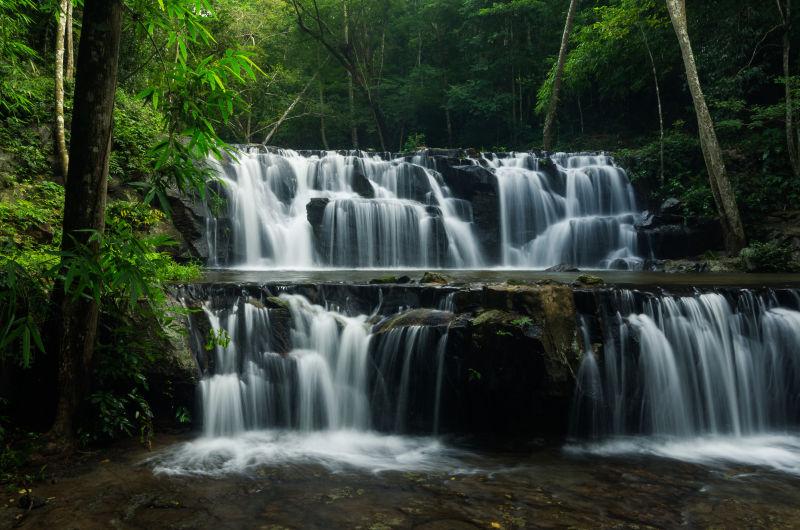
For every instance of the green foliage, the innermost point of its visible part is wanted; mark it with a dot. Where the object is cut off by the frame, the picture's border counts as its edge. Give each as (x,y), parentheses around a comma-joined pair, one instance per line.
(414,142)
(23,299)
(16,55)
(770,256)
(182,415)
(196,92)
(218,338)
(30,215)
(522,322)
(116,415)
(137,130)
(135,215)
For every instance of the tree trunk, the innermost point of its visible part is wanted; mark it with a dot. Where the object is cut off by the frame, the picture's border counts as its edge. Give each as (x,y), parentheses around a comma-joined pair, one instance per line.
(720,184)
(449,122)
(380,119)
(785,10)
(69,69)
(322,133)
(350,91)
(85,199)
(550,118)
(658,100)
(289,109)
(62,156)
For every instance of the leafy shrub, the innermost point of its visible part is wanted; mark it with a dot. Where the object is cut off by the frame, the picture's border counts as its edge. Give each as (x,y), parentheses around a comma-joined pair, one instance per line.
(137,215)
(136,131)
(414,142)
(767,257)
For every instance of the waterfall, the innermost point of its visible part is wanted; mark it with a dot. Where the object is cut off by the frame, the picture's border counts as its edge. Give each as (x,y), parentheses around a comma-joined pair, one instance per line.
(377,214)
(334,373)
(578,210)
(285,210)
(711,364)
(319,384)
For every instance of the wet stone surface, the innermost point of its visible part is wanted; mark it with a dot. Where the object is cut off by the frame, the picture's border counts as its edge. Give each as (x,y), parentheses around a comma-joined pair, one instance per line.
(542,488)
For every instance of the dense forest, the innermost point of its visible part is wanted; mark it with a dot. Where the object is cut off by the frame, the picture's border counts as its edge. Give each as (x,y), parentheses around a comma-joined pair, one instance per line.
(107,109)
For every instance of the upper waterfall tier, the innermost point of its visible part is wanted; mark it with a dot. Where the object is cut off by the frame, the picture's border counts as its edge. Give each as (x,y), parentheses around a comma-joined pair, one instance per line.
(286,210)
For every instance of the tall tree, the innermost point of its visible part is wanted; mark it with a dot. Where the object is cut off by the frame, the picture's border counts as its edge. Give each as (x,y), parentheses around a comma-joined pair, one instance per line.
(351,113)
(550,118)
(792,140)
(85,198)
(311,21)
(60,136)
(69,68)
(721,188)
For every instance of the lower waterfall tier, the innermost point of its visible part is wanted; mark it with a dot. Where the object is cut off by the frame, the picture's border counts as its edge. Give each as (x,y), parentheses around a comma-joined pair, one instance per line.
(539,359)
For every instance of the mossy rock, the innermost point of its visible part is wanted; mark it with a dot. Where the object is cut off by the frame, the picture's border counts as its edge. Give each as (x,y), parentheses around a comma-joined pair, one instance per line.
(275,302)
(588,279)
(415,317)
(434,277)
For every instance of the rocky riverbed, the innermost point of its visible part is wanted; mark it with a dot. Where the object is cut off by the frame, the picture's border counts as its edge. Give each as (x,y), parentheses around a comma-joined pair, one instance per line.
(532,486)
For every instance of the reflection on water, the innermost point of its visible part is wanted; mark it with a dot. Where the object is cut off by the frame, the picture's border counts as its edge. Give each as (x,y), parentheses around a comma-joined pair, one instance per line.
(240,276)
(773,451)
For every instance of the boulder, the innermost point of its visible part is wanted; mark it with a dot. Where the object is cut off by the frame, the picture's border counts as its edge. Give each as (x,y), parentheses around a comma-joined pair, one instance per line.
(415,317)
(359,181)
(562,267)
(434,277)
(413,182)
(477,185)
(671,206)
(315,213)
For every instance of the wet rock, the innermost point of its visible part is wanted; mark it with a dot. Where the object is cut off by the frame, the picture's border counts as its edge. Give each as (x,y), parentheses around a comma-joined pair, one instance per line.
(478,185)
(315,213)
(277,303)
(390,280)
(671,206)
(562,267)
(412,182)
(285,186)
(588,279)
(173,376)
(415,317)
(514,357)
(434,277)
(359,181)
(189,219)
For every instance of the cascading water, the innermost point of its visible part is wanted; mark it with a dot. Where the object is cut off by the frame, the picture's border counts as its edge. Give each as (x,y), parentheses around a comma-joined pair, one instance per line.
(284,210)
(319,384)
(376,213)
(308,394)
(709,376)
(580,212)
